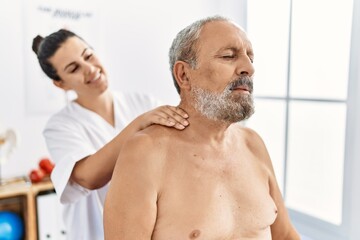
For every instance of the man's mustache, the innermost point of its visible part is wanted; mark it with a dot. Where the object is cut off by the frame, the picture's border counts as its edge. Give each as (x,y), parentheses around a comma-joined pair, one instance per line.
(243,81)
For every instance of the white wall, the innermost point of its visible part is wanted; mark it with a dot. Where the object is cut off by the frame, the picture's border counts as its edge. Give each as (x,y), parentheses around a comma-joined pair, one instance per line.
(12,92)
(136,36)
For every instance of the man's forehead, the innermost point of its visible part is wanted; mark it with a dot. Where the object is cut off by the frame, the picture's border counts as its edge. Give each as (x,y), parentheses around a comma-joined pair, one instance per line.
(222,25)
(224,33)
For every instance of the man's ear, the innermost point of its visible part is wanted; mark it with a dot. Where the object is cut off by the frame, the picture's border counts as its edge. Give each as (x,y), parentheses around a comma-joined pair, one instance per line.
(182,74)
(60,84)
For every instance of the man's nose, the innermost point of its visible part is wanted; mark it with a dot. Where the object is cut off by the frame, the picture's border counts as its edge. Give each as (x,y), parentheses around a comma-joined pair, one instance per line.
(245,66)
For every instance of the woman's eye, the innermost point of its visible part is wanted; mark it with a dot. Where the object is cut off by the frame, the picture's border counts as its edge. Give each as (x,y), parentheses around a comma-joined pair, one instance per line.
(74,69)
(88,57)
(229,56)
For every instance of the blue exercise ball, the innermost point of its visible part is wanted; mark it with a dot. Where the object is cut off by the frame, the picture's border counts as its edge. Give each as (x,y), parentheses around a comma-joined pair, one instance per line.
(11,226)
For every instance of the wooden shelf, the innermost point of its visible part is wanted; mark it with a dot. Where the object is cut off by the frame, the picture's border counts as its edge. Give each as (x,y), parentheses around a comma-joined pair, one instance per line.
(23,196)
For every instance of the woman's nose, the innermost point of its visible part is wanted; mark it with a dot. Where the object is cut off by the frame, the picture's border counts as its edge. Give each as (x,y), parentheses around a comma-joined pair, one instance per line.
(89,68)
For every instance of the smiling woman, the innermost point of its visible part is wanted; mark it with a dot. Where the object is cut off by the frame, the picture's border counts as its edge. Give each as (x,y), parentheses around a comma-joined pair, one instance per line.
(85,138)
(79,69)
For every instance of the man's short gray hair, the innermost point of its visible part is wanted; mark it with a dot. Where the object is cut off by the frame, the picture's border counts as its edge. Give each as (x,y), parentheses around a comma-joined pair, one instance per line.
(184,47)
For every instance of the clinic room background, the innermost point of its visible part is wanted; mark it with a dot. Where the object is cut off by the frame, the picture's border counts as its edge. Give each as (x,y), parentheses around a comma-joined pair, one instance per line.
(306,86)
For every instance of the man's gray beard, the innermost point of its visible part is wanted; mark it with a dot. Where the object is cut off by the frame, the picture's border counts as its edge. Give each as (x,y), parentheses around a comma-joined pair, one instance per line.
(225,107)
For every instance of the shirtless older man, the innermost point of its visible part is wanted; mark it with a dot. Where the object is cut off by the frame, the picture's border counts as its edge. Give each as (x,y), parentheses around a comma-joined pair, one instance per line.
(215,179)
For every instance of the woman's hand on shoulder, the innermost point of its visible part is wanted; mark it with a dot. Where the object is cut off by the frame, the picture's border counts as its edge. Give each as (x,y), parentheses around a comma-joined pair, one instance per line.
(166,115)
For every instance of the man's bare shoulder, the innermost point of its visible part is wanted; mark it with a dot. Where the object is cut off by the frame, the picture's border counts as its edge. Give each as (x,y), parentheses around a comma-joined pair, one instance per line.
(144,141)
(255,144)
(249,135)
(158,134)
(150,143)
(159,131)
(142,156)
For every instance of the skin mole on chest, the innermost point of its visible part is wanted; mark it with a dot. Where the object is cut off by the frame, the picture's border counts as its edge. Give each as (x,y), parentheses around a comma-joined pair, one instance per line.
(194,234)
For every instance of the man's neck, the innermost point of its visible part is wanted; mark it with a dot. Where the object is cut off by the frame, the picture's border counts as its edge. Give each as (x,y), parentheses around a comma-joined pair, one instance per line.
(204,128)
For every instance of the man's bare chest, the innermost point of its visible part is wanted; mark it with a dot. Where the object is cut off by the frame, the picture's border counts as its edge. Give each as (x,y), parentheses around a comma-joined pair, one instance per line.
(217,194)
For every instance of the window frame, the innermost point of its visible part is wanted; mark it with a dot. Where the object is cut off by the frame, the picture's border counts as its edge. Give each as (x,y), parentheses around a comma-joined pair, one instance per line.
(313,227)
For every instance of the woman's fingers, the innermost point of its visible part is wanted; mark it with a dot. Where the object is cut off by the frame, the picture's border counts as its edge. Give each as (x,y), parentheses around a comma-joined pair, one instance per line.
(171,116)
(176,114)
(179,111)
